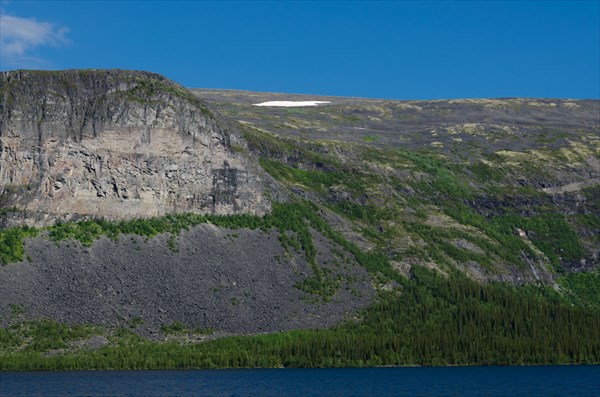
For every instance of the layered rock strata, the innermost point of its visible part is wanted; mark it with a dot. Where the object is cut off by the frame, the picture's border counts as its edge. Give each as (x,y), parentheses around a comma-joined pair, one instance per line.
(117,144)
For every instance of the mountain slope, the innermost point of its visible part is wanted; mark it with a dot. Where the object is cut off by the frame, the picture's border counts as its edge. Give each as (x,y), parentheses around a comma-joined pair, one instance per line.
(514,180)
(358,212)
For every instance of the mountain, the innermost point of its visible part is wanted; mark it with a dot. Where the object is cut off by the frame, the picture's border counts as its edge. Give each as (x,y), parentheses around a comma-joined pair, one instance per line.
(123,146)
(132,203)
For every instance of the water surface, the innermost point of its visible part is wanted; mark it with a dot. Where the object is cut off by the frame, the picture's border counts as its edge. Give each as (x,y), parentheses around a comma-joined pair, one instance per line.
(574,381)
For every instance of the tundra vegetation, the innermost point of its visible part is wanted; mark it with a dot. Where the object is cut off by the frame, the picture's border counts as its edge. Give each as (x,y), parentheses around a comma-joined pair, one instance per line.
(475,258)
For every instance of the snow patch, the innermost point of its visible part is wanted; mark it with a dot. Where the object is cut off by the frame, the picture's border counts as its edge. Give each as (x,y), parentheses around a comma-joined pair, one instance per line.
(289,104)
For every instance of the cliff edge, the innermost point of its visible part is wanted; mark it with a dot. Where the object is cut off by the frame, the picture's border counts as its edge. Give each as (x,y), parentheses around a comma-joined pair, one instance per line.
(117,144)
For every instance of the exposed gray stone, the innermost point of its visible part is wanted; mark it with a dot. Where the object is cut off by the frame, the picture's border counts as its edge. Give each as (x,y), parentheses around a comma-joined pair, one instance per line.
(118,144)
(234,281)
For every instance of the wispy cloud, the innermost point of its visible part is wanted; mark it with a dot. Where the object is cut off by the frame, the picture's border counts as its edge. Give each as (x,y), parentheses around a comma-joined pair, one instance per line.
(20,37)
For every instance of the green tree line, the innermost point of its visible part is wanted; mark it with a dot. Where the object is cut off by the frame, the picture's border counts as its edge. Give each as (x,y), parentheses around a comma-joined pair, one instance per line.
(428,320)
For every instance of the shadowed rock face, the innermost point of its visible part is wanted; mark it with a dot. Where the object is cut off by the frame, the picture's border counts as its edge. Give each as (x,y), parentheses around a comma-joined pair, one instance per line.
(117,144)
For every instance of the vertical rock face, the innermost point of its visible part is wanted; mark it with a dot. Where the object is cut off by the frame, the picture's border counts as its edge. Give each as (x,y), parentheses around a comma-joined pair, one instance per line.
(117,144)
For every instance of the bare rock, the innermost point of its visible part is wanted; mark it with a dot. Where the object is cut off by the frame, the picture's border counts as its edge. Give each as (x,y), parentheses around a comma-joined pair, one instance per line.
(118,144)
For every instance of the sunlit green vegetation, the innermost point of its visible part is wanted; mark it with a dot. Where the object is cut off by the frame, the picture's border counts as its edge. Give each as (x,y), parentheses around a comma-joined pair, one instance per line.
(437,181)
(313,179)
(442,184)
(293,222)
(11,243)
(485,173)
(549,232)
(430,320)
(42,335)
(582,289)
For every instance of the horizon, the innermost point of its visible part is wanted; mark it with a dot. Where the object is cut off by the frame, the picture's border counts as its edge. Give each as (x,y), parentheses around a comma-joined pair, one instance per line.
(309,94)
(395,51)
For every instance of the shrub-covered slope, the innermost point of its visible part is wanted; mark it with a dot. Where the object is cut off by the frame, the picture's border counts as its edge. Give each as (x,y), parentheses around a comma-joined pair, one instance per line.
(507,189)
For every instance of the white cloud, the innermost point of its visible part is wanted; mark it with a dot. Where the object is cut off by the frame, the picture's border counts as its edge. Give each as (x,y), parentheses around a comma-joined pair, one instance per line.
(19,37)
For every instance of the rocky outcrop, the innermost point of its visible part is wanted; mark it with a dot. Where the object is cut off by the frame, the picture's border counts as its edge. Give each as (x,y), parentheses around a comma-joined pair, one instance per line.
(118,144)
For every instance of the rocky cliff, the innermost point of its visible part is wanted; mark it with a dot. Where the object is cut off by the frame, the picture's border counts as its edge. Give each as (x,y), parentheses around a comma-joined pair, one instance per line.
(364,192)
(117,144)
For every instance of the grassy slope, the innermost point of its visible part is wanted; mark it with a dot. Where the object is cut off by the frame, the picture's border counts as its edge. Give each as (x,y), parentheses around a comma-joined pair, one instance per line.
(387,205)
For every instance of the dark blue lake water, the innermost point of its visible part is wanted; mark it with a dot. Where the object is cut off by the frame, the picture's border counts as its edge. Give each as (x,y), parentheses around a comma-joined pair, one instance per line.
(570,381)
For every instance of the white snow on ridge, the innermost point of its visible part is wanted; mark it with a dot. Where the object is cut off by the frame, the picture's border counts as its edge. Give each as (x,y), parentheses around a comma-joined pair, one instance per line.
(289,104)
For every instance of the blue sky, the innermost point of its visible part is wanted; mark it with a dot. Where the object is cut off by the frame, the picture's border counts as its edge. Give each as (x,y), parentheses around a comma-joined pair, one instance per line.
(400,50)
